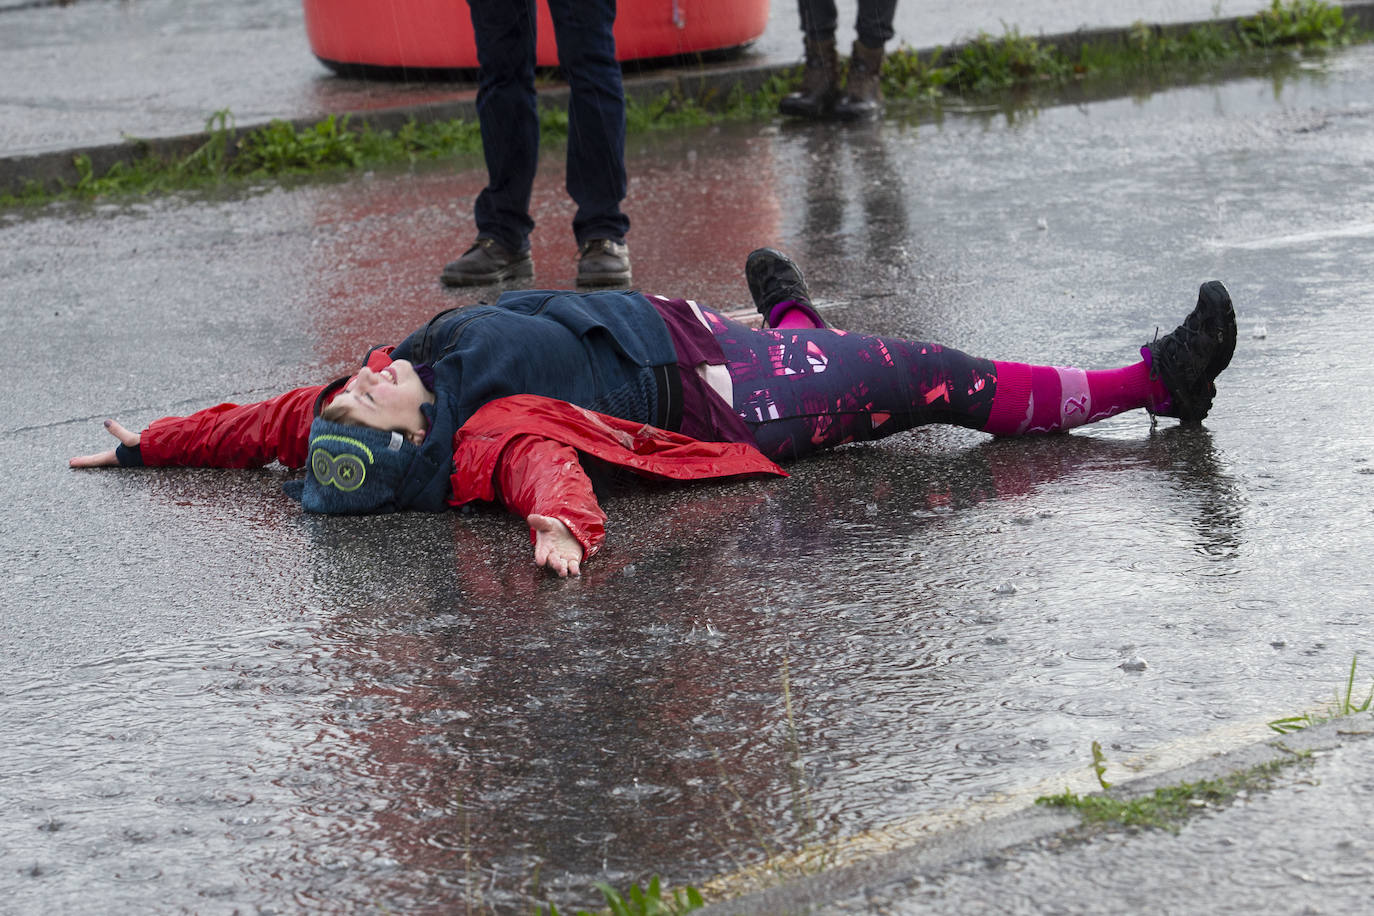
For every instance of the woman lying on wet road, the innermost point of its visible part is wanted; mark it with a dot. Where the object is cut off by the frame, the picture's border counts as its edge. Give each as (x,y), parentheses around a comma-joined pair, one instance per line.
(506,402)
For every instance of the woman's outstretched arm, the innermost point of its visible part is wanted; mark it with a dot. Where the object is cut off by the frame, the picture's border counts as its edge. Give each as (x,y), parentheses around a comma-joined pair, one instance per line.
(107,458)
(223,436)
(543,482)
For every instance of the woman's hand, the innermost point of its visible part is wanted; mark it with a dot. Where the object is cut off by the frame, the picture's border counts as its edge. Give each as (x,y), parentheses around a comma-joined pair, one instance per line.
(554,546)
(107,459)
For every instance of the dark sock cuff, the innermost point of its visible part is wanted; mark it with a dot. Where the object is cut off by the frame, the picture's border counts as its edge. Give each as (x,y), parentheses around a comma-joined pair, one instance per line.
(129,456)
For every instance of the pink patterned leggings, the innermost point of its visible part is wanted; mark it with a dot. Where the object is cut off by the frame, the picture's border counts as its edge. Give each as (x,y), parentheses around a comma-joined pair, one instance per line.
(802,390)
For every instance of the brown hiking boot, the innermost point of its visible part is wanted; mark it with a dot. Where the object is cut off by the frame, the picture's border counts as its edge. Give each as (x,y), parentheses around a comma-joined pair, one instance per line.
(487,261)
(603,262)
(863,90)
(820,82)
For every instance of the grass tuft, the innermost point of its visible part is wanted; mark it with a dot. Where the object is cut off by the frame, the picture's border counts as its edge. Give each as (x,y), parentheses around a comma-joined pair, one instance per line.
(648,901)
(1344,705)
(1166,808)
(988,64)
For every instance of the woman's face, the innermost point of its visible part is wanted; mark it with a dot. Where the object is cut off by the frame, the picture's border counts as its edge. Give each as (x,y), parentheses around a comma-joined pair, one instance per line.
(389,399)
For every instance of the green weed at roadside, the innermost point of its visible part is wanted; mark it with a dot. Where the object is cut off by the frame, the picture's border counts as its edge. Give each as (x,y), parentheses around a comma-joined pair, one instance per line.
(1295,22)
(279,148)
(987,67)
(1167,807)
(1100,766)
(648,901)
(1344,705)
(989,64)
(212,156)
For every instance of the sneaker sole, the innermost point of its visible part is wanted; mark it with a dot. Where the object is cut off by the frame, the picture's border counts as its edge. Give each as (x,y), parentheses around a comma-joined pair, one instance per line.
(517,271)
(605,280)
(1214,301)
(1215,295)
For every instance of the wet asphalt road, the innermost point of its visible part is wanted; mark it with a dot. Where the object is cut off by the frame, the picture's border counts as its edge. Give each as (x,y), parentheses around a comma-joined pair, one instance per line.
(214,703)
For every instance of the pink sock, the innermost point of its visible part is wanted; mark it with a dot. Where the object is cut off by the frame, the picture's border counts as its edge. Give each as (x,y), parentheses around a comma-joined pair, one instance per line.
(789,314)
(1042,399)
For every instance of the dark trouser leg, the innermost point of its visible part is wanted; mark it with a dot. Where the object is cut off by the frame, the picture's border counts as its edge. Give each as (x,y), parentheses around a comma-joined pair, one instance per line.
(505,32)
(596,116)
(800,391)
(818,18)
(873,24)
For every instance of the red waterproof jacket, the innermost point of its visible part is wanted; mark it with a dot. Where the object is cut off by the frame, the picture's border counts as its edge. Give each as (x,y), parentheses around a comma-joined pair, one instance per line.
(521,451)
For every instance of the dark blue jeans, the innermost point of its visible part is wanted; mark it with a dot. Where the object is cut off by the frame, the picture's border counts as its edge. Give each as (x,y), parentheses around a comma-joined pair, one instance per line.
(507,109)
(873,22)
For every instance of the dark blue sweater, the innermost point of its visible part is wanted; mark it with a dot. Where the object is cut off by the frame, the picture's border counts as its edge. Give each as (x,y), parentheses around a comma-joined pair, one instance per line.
(598,350)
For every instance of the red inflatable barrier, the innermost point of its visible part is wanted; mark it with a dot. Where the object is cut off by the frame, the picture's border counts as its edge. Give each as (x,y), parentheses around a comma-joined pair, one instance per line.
(437,34)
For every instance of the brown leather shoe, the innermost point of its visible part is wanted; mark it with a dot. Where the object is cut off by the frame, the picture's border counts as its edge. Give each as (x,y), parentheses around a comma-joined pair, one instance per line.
(603,262)
(863,89)
(487,261)
(820,83)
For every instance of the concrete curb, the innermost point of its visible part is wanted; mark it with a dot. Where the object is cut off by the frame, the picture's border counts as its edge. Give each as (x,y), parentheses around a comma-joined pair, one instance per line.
(710,81)
(1002,836)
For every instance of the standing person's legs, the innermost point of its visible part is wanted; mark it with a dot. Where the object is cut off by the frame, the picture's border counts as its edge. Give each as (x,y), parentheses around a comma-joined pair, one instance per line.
(819,19)
(873,24)
(596,136)
(505,33)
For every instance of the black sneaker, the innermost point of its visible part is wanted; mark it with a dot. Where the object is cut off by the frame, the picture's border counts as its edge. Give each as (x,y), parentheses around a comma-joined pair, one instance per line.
(603,262)
(487,261)
(1189,359)
(774,278)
